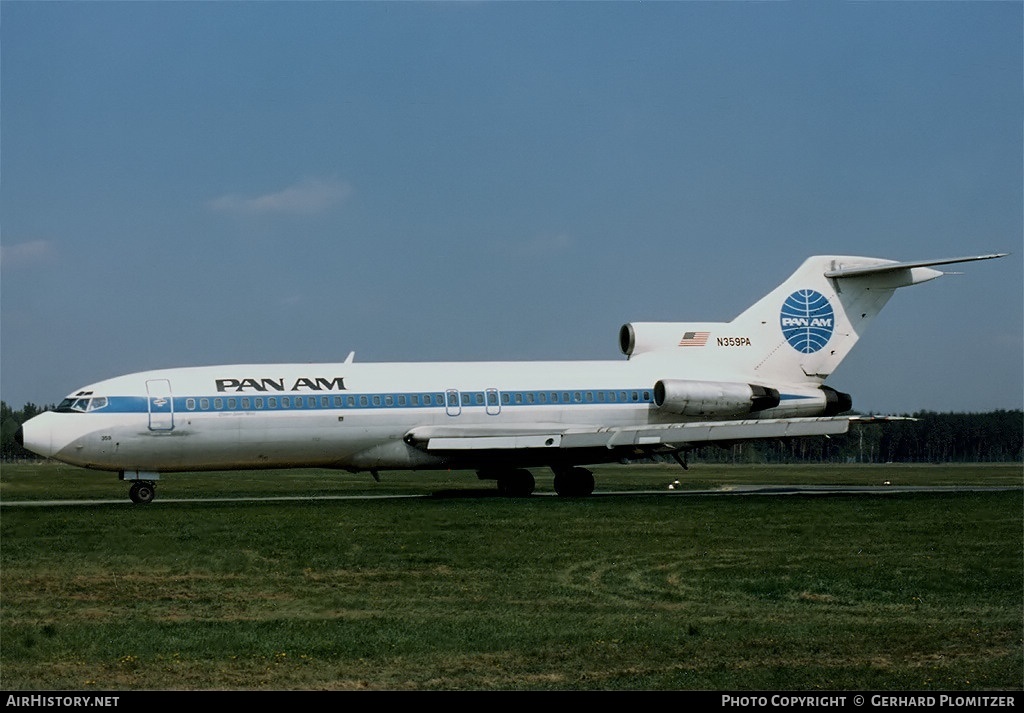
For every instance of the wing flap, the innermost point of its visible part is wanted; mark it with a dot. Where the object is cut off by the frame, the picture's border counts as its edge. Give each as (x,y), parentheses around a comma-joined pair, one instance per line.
(493,443)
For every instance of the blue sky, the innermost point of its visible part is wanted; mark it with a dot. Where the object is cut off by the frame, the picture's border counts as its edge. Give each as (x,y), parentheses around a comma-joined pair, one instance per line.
(220,182)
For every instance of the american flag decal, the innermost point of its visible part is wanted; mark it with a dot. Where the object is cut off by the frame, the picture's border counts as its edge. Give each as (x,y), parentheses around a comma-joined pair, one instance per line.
(694,339)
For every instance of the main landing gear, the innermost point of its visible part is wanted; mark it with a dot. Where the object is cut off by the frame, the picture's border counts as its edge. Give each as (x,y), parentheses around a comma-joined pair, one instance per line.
(573,482)
(512,482)
(520,483)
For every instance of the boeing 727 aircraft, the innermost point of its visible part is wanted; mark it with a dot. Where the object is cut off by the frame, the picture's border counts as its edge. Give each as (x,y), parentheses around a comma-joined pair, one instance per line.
(682,385)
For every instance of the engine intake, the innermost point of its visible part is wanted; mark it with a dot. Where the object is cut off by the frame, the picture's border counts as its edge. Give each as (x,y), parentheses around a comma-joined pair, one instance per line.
(637,338)
(713,398)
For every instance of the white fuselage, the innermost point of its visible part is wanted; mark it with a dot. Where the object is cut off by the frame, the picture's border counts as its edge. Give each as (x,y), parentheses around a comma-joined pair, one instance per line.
(346,415)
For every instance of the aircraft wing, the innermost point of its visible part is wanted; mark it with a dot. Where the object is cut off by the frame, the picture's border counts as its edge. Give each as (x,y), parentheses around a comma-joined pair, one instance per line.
(672,435)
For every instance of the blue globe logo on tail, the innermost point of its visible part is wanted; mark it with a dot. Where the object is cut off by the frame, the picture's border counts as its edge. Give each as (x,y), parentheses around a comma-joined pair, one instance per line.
(807,321)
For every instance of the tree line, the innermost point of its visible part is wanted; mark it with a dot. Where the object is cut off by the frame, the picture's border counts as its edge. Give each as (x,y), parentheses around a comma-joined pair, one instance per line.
(926,437)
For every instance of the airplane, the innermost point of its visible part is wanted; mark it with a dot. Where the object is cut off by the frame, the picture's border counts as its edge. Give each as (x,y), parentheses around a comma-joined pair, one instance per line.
(682,385)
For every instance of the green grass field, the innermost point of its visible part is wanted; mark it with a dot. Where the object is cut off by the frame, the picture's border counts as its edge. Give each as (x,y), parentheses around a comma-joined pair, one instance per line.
(472,592)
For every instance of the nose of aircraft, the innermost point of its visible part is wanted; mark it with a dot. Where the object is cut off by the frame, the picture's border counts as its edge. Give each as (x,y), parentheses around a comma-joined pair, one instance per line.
(35,435)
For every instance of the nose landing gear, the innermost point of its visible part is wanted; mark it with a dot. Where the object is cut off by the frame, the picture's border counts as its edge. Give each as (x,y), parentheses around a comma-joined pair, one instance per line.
(143,488)
(142,492)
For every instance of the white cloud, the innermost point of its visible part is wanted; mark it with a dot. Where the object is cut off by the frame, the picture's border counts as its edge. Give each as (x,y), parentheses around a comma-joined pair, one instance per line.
(31,253)
(304,198)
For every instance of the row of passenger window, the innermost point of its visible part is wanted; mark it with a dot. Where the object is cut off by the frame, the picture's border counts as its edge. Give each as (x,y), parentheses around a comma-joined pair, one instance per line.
(247,403)
(567,397)
(449,399)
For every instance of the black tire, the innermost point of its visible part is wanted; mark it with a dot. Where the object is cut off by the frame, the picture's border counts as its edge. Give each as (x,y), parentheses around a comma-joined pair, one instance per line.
(574,482)
(142,493)
(517,484)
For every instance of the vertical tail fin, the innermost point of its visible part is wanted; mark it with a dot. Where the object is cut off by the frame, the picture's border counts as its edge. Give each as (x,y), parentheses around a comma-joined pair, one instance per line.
(807,325)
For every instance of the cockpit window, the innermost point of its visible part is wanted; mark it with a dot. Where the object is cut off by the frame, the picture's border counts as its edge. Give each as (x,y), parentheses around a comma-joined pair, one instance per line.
(65,406)
(81,405)
(73,405)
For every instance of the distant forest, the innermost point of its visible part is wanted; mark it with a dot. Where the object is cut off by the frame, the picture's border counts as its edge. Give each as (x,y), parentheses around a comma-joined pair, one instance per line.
(994,437)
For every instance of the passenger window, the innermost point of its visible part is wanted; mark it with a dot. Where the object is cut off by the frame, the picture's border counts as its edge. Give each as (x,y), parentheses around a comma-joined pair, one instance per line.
(190,404)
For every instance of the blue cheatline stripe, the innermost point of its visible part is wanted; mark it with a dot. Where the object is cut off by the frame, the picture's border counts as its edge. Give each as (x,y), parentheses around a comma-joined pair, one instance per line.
(384,400)
(389,400)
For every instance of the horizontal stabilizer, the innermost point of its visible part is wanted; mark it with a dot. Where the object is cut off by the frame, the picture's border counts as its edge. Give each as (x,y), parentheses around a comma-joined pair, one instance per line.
(895,266)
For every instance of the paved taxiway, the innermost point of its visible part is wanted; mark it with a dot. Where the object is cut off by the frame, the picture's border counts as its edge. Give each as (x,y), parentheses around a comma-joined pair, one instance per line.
(732,490)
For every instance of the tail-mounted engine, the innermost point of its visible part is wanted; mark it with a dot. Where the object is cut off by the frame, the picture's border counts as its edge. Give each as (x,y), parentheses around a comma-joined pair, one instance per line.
(637,338)
(836,402)
(713,398)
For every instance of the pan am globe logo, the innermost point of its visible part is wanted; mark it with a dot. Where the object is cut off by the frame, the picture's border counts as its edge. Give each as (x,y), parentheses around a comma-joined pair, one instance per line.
(807,321)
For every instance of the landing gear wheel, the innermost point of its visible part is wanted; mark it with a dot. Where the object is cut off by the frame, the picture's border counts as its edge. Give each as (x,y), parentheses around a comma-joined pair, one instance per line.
(516,484)
(574,482)
(142,492)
